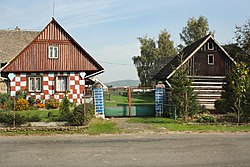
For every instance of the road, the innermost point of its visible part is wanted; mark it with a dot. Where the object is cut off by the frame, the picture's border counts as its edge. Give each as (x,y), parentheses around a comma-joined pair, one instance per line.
(173,150)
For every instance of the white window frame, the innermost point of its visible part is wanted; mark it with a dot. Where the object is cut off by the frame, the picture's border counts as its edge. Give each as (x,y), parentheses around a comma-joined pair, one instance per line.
(210,44)
(208,59)
(36,89)
(59,87)
(53,52)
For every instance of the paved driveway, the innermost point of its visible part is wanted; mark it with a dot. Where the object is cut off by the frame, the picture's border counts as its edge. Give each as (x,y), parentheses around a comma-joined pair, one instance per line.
(177,150)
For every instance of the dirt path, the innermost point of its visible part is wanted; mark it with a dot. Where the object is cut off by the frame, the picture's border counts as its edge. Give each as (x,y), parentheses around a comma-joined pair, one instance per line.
(136,127)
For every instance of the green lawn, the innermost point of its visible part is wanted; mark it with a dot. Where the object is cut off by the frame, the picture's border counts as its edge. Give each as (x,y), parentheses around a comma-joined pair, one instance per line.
(136,99)
(169,124)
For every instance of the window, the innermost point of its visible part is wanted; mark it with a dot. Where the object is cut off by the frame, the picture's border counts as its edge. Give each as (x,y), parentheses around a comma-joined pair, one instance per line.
(210,46)
(53,52)
(34,84)
(62,83)
(210,59)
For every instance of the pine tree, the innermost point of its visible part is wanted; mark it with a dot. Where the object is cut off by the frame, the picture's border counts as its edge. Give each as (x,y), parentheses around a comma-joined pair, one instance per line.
(182,94)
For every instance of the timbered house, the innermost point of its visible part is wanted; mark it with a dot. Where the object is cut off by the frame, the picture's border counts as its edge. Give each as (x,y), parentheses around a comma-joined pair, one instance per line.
(46,64)
(207,64)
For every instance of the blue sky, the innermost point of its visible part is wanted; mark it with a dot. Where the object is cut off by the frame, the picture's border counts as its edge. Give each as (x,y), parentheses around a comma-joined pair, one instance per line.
(108,29)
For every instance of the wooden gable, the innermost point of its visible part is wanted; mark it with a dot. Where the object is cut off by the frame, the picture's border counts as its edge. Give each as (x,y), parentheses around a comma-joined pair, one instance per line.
(35,57)
(195,58)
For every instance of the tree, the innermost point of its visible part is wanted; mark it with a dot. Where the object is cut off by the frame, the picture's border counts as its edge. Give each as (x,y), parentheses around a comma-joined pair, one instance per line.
(145,63)
(165,45)
(152,55)
(237,91)
(182,94)
(194,30)
(242,35)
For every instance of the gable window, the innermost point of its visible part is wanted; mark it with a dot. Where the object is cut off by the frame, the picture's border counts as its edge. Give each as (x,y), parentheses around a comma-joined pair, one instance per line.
(210,46)
(53,52)
(62,83)
(35,84)
(210,59)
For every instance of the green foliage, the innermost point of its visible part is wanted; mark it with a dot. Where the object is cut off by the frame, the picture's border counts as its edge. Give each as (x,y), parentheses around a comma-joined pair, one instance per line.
(8,118)
(237,91)
(78,114)
(5,102)
(33,118)
(182,95)
(205,117)
(242,35)
(194,30)
(64,109)
(222,105)
(31,100)
(52,104)
(152,54)
(21,94)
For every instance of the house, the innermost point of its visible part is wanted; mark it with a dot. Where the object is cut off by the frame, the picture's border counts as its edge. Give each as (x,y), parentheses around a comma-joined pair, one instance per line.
(207,64)
(46,64)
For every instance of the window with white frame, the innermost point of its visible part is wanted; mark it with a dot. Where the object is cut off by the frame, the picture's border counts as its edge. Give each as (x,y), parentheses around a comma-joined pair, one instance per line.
(35,84)
(210,59)
(62,83)
(210,46)
(53,52)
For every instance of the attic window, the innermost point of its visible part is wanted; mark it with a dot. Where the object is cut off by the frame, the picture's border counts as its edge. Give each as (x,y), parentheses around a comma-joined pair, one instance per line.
(210,59)
(210,46)
(53,52)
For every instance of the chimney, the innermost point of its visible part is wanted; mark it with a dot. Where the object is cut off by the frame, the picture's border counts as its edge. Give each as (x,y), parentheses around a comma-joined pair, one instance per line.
(17,28)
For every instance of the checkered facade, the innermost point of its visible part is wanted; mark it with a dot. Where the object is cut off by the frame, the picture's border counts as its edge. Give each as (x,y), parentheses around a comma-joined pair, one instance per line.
(76,85)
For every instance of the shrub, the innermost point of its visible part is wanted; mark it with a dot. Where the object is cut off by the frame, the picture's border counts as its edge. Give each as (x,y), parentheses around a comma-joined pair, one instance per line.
(78,114)
(8,118)
(205,118)
(33,118)
(64,109)
(222,105)
(31,100)
(21,104)
(5,101)
(40,105)
(52,104)
(21,94)
(50,116)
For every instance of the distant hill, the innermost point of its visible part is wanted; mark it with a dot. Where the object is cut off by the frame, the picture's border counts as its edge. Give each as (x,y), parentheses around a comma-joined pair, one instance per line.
(123,83)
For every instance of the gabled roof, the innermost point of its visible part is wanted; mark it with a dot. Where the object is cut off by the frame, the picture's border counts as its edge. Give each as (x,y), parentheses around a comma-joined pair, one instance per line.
(176,62)
(13,42)
(26,61)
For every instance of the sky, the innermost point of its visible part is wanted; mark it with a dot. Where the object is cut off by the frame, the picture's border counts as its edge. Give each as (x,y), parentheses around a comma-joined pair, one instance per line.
(109,29)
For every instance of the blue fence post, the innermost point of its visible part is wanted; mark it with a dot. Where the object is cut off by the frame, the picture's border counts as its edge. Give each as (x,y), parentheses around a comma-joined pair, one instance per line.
(159,99)
(98,100)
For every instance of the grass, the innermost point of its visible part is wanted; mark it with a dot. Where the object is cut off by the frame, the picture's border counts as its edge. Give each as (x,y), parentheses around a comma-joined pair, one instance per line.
(178,126)
(99,126)
(136,99)
(96,127)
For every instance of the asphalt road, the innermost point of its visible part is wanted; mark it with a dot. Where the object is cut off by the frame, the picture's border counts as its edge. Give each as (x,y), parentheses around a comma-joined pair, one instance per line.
(177,150)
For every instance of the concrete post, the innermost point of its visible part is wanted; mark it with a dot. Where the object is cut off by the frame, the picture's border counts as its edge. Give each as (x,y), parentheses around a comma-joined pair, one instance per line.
(159,99)
(98,100)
